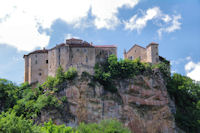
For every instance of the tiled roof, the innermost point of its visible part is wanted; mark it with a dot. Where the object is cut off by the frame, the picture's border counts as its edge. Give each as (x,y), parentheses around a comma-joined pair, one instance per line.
(37,51)
(152,43)
(135,46)
(105,46)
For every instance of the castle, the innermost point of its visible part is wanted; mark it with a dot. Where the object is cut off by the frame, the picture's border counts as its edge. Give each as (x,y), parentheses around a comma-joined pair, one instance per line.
(81,55)
(75,53)
(148,54)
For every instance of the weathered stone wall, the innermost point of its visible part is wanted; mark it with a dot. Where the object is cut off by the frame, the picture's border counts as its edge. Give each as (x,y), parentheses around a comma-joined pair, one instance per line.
(75,53)
(152,53)
(52,65)
(102,53)
(136,52)
(148,54)
(82,58)
(26,68)
(38,67)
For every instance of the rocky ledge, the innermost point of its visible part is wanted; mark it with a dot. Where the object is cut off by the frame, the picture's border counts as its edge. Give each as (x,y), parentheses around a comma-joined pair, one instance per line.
(141,103)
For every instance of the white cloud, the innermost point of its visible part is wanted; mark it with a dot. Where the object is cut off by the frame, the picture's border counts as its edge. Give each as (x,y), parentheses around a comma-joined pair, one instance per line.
(106,11)
(175,25)
(136,23)
(20,19)
(193,70)
(69,36)
(165,22)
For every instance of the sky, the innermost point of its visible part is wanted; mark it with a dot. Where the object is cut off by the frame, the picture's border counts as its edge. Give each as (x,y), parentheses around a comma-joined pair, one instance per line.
(27,25)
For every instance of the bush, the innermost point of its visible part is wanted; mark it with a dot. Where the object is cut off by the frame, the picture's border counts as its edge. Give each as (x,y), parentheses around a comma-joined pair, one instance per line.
(8,94)
(105,126)
(49,127)
(71,73)
(186,94)
(10,123)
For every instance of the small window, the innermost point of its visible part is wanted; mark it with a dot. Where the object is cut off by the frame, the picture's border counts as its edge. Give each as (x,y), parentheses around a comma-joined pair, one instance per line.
(131,58)
(135,51)
(46,61)
(36,62)
(40,74)
(35,56)
(156,53)
(77,50)
(86,59)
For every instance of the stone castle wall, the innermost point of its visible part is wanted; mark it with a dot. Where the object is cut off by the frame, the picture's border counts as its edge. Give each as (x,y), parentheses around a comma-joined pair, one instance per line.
(36,69)
(75,53)
(148,54)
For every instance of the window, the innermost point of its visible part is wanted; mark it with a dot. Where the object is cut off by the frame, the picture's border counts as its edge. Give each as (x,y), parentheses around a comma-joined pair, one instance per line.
(131,58)
(46,61)
(36,62)
(77,50)
(40,74)
(86,59)
(135,51)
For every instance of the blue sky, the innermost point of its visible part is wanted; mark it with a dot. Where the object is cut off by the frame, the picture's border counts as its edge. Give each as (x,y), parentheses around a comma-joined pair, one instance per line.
(34,24)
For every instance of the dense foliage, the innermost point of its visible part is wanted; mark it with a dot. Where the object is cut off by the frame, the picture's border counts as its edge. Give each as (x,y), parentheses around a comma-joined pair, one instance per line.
(186,94)
(114,69)
(10,123)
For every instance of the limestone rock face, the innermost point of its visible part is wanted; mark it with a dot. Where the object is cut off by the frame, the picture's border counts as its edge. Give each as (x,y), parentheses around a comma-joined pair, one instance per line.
(141,103)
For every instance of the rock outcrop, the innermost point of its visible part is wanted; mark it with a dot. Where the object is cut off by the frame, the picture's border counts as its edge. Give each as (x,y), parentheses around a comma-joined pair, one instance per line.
(141,103)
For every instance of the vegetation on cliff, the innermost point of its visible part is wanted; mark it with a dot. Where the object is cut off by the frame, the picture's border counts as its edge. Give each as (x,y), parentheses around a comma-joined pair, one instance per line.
(114,69)
(21,105)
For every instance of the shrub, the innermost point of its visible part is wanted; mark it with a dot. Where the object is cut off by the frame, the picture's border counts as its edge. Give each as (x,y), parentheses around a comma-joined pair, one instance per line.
(186,94)
(71,73)
(49,127)
(105,126)
(10,123)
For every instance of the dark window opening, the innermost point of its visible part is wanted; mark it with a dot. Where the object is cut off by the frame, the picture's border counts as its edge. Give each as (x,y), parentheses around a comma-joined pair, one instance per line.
(86,59)
(36,62)
(135,51)
(46,61)
(77,50)
(40,74)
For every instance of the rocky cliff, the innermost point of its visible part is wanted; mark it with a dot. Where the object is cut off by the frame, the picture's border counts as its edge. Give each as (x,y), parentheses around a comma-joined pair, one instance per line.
(141,103)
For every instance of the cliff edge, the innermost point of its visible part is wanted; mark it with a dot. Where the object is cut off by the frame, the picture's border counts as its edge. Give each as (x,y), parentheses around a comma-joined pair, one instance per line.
(141,103)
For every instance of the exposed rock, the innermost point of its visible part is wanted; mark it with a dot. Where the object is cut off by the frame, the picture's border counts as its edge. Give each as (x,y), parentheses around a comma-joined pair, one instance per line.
(141,103)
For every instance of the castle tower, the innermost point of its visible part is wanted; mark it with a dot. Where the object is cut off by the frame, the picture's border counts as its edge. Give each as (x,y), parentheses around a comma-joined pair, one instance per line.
(152,53)
(36,66)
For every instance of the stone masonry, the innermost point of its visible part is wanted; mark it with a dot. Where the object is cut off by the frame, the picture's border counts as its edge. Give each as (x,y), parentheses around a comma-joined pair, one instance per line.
(76,53)
(148,54)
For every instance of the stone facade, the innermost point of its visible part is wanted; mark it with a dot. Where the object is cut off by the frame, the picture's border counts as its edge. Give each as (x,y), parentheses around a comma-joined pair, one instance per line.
(74,53)
(148,54)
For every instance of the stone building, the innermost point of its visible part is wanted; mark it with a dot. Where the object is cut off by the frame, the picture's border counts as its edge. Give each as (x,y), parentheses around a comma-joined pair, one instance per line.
(148,54)
(76,53)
